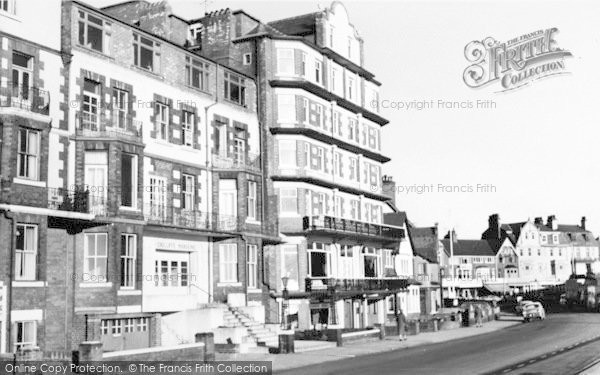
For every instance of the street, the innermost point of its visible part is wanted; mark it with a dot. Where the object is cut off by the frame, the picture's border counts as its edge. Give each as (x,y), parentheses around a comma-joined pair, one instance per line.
(554,346)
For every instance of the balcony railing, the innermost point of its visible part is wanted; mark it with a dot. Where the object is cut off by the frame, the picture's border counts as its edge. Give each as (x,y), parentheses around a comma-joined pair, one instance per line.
(354,285)
(194,219)
(28,98)
(119,126)
(335,224)
(247,161)
(77,200)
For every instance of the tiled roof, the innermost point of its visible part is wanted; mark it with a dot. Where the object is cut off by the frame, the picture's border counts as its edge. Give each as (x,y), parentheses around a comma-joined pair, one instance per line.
(299,25)
(470,247)
(424,241)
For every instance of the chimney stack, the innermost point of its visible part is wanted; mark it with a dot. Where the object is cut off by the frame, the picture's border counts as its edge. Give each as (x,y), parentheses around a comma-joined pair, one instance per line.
(583,222)
(494,226)
(552,223)
(388,188)
(538,221)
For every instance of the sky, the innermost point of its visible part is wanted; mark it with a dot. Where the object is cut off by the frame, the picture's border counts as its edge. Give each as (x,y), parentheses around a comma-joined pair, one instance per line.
(535,150)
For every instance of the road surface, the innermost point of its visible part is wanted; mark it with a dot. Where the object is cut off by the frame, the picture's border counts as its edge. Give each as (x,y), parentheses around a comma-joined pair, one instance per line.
(562,344)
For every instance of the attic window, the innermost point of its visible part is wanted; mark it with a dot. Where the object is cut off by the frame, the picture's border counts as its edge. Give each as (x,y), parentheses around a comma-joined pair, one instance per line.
(91,31)
(146,53)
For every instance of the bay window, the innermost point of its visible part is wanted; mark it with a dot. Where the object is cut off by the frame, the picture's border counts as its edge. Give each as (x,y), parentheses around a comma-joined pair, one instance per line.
(288,200)
(252,260)
(285,61)
(228,263)
(95,257)
(28,158)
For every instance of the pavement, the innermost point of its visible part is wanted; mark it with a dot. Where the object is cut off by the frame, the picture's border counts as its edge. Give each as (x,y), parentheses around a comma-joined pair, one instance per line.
(391,343)
(563,344)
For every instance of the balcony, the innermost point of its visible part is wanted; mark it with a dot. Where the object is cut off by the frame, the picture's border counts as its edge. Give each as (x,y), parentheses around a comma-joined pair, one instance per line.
(118,126)
(354,286)
(30,99)
(247,162)
(186,218)
(77,200)
(351,228)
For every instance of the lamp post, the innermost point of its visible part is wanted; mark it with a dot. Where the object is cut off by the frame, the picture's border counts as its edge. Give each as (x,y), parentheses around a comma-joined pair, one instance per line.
(442,287)
(284,305)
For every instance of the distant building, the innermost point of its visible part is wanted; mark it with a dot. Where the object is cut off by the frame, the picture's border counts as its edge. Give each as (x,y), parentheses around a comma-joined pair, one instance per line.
(547,253)
(430,262)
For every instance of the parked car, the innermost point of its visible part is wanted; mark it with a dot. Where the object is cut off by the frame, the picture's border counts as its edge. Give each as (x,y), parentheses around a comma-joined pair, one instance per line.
(533,310)
(520,304)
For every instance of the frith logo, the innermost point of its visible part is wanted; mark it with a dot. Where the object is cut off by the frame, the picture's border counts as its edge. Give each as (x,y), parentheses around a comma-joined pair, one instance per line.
(515,63)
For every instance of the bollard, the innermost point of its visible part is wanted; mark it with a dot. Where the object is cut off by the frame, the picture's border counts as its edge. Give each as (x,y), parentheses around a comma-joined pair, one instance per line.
(208,338)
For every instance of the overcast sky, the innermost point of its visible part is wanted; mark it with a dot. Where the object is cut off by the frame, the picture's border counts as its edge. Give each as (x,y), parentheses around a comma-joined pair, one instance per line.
(538,147)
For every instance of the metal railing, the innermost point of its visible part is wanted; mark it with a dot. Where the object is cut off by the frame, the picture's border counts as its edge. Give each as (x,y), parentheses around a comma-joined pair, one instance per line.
(354,285)
(77,200)
(245,161)
(330,223)
(119,126)
(189,218)
(25,97)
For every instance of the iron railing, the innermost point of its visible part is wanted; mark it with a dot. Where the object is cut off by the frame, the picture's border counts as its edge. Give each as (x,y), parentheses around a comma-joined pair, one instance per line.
(25,97)
(77,200)
(354,285)
(189,218)
(335,224)
(245,161)
(119,126)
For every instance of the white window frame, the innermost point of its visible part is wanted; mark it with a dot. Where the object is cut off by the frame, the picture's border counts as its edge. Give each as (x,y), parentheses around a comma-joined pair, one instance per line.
(128,260)
(247,59)
(252,269)
(157,197)
(388,259)
(91,275)
(161,119)
(318,72)
(32,340)
(285,61)
(142,324)
(84,18)
(91,101)
(129,325)
(117,327)
(287,153)
(26,258)
(120,100)
(228,263)
(187,128)
(288,194)
(188,187)
(173,274)
(142,42)
(252,201)
(286,108)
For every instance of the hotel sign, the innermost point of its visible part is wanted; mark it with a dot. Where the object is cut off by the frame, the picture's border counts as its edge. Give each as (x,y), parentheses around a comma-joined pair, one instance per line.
(515,63)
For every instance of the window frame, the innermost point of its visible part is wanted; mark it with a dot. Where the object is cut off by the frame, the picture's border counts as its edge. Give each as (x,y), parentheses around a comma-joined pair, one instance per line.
(230,81)
(252,201)
(188,123)
(252,266)
(134,180)
(24,156)
(188,187)
(138,45)
(19,345)
(228,263)
(288,195)
(162,120)
(98,258)
(285,61)
(84,19)
(26,253)
(201,69)
(128,260)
